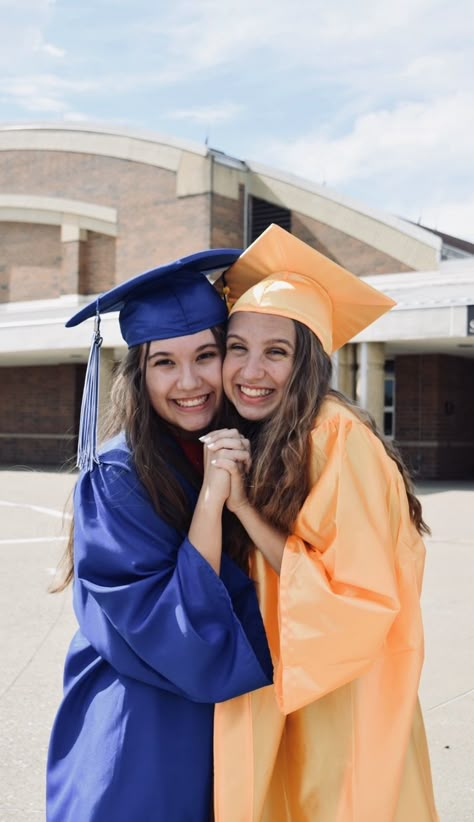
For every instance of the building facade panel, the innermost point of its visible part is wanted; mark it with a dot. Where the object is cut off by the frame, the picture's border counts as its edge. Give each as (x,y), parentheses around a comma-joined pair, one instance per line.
(153,221)
(82,210)
(434,413)
(40,426)
(30,261)
(345,250)
(227,220)
(96,263)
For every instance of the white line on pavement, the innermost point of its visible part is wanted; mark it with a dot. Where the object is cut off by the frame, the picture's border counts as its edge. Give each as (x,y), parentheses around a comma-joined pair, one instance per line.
(51,511)
(448,701)
(31,539)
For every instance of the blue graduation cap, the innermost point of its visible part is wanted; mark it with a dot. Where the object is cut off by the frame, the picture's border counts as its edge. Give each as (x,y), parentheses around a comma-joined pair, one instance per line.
(173,300)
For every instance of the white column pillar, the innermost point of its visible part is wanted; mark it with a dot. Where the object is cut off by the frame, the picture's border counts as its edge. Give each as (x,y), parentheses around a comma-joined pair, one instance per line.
(343,370)
(370,379)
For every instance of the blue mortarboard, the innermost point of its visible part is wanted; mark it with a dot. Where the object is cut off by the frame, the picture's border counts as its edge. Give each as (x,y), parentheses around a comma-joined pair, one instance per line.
(174,300)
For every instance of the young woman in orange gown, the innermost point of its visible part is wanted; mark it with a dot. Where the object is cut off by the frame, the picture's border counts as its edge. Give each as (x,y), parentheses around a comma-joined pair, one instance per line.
(334,542)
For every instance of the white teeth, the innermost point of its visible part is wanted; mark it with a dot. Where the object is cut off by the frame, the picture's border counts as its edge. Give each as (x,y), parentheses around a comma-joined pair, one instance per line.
(255,392)
(192,403)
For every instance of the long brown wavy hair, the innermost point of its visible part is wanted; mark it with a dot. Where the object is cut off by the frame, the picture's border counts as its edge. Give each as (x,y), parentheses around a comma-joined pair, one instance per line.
(280,444)
(153,455)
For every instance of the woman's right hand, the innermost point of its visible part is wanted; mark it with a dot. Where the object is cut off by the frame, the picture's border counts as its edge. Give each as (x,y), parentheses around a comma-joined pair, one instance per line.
(225,445)
(216,482)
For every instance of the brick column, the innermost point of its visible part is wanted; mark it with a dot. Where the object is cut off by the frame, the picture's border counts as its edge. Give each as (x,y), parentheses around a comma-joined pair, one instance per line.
(370,379)
(71,238)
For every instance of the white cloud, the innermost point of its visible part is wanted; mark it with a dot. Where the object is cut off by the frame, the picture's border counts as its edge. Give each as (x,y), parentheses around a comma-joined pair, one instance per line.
(455,218)
(45,93)
(45,104)
(207,114)
(414,160)
(52,51)
(330,39)
(358,50)
(21,31)
(75,117)
(377,103)
(405,138)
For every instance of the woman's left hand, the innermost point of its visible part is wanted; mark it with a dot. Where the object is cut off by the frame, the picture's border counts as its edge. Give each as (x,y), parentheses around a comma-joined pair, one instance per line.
(232,454)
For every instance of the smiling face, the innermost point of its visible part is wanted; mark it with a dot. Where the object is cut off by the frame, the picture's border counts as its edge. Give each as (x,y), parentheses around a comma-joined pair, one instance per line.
(258,363)
(184,381)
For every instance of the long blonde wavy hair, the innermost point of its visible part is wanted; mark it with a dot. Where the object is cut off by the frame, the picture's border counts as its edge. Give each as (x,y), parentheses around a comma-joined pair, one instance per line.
(280,444)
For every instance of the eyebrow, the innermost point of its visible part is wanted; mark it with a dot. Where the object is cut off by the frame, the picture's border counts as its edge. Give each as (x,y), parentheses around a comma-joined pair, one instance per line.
(266,342)
(172,354)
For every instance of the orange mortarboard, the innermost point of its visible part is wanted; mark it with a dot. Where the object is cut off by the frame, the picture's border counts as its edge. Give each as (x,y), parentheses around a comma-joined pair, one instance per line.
(302,284)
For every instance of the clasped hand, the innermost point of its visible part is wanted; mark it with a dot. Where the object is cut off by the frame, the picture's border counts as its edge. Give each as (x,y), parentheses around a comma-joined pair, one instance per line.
(227,452)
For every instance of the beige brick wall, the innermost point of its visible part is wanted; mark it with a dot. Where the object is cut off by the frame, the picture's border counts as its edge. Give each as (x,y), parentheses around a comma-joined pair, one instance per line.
(433,415)
(30,261)
(154,225)
(39,422)
(96,264)
(227,217)
(352,254)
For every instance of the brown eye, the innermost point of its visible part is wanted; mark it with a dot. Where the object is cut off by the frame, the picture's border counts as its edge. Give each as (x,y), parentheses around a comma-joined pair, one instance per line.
(207,355)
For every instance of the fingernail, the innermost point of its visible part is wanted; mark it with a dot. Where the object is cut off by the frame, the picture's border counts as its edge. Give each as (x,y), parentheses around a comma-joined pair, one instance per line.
(203,438)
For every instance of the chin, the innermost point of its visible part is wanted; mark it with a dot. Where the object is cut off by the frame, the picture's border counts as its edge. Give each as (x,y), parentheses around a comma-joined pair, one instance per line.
(197,425)
(194,426)
(254,414)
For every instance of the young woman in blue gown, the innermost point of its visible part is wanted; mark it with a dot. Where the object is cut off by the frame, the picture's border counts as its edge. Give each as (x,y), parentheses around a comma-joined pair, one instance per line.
(168,624)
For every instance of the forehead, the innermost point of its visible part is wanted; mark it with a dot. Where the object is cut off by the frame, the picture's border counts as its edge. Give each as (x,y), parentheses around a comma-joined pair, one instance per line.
(261,326)
(184,344)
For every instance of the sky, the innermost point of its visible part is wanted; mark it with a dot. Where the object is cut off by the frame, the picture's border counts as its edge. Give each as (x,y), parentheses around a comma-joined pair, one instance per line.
(374,100)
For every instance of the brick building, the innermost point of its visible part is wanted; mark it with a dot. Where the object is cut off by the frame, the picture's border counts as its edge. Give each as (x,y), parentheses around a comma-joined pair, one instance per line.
(83,208)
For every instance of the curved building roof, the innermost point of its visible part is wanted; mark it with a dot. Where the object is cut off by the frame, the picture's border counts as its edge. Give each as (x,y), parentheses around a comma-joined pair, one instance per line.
(200,169)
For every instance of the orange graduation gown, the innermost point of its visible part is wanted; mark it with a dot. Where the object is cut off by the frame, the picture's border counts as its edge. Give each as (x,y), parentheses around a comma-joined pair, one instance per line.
(339,737)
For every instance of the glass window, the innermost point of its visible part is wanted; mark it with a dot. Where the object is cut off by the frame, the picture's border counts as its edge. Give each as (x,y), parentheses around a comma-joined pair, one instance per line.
(389,400)
(388,392)
(388,423)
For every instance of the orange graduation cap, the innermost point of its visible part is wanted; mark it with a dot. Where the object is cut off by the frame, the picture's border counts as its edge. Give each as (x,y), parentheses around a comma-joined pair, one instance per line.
(302,284)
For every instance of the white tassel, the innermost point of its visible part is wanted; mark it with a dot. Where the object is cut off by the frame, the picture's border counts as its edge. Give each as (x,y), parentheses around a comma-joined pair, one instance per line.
(87,455)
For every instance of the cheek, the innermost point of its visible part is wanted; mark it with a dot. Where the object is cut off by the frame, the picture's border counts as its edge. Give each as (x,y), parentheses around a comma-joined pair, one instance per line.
(283,375)
(212,376)
(155,385)
(227,372)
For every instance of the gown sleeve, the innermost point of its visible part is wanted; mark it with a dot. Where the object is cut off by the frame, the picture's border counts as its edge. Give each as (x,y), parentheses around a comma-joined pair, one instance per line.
(338,583)
(152,606)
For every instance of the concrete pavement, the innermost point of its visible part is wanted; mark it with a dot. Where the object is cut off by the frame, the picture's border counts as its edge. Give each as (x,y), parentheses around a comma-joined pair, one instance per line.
(36,628)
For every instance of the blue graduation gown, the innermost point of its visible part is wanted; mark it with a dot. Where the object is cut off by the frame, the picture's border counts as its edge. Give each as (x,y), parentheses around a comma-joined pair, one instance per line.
(162,638)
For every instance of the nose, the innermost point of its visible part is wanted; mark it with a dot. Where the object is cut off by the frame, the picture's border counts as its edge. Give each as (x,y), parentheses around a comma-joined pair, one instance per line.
(189,378)
(252,369)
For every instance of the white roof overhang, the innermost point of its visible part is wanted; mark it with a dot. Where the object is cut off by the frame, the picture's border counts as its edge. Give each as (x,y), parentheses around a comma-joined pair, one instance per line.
(430,315)
(431,312)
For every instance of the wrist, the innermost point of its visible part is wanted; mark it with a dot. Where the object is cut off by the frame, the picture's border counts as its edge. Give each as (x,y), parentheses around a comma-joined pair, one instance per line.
(241,509)
(210,502)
